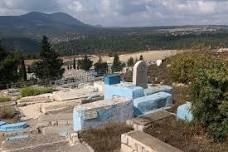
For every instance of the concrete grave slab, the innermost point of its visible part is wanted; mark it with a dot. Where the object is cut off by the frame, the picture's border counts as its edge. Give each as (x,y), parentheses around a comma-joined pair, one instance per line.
(137,141)
(142,122)
(73,94)
(152,102)
(97,114)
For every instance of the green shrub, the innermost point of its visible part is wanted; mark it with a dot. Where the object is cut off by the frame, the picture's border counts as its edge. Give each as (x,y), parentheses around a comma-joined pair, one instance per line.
(33,91)
(4,99)
(184,66)
(210,100)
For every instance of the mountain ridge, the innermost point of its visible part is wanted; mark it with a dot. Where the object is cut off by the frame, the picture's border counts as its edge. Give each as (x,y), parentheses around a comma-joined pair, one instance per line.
(37,23)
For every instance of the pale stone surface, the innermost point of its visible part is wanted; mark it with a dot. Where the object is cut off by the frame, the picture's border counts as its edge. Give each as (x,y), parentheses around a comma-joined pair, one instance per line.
(30,111)
(140,123)
(140,74)
(35,99)
(56,130)
(42,143)
(142,142)
(58,106)
(73,94)
(125,148)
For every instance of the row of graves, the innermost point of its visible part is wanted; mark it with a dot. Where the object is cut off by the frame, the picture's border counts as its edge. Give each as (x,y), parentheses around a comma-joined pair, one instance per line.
(69,111)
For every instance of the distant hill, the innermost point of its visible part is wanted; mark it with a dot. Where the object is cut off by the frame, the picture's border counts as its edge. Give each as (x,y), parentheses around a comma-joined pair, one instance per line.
(35,24)
(71,36)
(24,32)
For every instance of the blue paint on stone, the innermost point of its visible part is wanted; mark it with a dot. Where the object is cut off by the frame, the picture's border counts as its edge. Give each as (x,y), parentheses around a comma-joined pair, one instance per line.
(184,112)
(13,127)
(110,113)
(156,89)
(18,138)
(148,103)
(2,123)
(121,90)
(112,79)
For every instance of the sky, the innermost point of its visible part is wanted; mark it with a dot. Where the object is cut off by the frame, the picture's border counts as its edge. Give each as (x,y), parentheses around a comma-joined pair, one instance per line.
(126,13)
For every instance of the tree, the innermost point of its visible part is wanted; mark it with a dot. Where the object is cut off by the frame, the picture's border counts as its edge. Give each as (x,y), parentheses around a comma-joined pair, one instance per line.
(136,60)
(210,100)
(130,62)
(141,57)
(9,64)
(22,70)
(3,53)
(101,67)
(50,65)
(116,66)
(74,64)
(85,64)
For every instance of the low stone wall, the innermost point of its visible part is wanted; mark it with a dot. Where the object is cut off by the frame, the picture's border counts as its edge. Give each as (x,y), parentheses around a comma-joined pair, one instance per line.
(137,141)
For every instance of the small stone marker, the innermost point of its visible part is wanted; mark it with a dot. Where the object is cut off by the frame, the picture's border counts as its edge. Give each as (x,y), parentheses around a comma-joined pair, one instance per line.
(140,74)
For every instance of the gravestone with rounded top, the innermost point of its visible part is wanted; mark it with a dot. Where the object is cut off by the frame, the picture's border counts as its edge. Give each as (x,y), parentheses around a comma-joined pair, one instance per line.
(140,74)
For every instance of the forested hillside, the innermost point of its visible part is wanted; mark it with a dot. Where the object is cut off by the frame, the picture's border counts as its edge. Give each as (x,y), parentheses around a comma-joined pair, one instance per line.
(70,36)
(135,42)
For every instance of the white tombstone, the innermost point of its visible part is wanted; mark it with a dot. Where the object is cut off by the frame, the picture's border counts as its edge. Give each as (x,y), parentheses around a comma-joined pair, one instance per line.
(140,74)
(159,62)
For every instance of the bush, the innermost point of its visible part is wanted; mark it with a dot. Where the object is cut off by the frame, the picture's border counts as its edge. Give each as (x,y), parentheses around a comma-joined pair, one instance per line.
(184,66)
(210,100)
(7,112)
(4,99)
(105,139)
(33,91)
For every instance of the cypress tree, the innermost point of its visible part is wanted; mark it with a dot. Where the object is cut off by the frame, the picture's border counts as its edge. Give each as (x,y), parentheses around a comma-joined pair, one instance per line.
(101,67)
(85,64)
(50,65)
(116,66)
(74,64)
(23,70)
(130,62)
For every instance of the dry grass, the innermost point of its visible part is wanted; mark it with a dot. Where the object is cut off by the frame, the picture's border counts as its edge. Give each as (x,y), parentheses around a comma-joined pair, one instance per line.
(4,99)
(187,137)
(7,112)
(107,139)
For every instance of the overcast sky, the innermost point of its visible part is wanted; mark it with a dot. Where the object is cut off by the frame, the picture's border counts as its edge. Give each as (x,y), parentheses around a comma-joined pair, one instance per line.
(128,12)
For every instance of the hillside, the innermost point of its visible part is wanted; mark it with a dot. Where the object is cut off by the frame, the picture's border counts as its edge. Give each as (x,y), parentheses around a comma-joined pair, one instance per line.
(70,36)
(36,24)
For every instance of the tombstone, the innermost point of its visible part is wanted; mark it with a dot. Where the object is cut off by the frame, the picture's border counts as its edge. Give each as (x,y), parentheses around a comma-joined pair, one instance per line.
(140,74)
(159,62)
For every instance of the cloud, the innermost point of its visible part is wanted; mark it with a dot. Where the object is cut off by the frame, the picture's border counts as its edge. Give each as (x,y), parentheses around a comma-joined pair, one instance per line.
(127,12)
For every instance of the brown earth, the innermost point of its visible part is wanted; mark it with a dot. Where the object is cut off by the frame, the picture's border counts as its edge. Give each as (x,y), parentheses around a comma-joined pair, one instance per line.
(107,139)
(187,137)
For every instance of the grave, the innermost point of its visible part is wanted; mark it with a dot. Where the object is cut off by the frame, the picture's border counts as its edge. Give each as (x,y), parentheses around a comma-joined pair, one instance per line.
(97,114)
(124,90)
(184,112)
(140,74)
(144,100)
(137,141)
(155,101)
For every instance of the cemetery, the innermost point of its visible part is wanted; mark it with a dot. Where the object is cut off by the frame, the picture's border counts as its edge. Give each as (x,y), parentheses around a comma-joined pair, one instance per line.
(67,114)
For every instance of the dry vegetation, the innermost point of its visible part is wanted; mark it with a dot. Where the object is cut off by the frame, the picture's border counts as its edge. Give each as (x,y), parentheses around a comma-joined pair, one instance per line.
(105,139)
(4,99)
(187,137)
(7,112)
